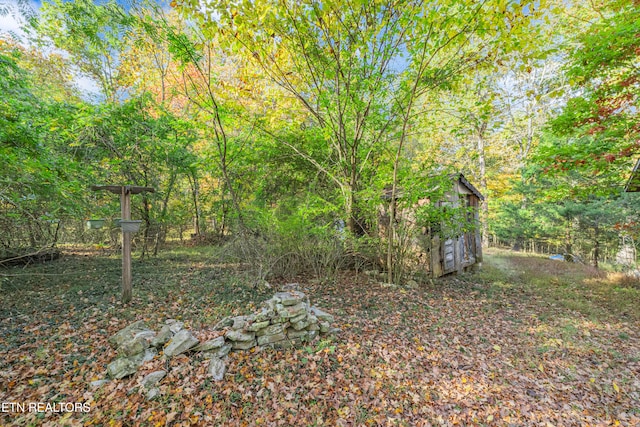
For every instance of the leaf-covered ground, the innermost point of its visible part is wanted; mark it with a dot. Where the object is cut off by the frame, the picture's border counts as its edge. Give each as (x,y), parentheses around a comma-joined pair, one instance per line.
(527,341)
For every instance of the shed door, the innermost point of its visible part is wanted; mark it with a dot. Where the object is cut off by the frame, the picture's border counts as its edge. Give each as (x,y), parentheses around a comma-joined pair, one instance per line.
(448,256)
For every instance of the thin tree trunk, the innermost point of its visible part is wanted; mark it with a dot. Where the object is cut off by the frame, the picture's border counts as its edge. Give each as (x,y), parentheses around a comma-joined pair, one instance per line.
(567,243)
(354,221)
(146,213)
(163,212)
(596,249)
(193,180)
(484,206)
(234,198)
(56,234)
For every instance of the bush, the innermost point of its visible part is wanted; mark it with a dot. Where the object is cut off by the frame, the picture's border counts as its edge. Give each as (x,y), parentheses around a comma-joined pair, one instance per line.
(286,248)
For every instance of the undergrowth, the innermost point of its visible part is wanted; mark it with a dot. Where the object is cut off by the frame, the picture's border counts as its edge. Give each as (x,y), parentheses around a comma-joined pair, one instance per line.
(594,293)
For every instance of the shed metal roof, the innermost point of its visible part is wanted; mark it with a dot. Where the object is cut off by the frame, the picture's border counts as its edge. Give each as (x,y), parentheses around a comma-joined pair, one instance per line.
(470,186)
(386,194)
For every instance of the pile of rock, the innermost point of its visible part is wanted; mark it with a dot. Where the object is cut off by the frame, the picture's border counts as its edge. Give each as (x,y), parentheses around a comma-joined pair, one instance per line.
(284,321)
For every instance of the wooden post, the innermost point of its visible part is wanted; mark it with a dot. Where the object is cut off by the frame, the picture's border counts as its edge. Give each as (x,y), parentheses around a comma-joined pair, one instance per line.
(125,192)
(125,207)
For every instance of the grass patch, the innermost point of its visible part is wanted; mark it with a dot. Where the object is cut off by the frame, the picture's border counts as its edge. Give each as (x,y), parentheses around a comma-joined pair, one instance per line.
(594,293)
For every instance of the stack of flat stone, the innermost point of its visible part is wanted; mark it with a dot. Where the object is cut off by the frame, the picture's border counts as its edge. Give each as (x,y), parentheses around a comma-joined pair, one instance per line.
(133,345)
(137,344)
(286,320)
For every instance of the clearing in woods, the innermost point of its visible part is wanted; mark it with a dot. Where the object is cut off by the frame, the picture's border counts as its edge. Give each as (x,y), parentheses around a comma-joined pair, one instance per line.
(527,341)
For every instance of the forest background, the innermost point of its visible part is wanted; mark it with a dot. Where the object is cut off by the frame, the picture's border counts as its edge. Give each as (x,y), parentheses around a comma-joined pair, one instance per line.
(274,127)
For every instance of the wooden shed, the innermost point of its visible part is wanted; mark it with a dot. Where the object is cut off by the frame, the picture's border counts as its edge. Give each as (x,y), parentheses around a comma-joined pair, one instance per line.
(464,251)
(443,248)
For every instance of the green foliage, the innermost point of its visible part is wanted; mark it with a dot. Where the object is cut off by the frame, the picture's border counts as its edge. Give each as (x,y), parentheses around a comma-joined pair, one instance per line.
(92,33)
(182,49)
(580,167)
(288,120)
(356,68)
(40,184)
(560,211)
(599,126)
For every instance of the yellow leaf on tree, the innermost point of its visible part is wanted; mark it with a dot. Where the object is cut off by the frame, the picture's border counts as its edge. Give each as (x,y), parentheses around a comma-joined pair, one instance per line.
(541,368)
(616,388)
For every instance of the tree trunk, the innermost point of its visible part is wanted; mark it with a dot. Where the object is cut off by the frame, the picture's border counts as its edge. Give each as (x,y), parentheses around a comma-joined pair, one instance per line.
(596,248)
(568,247)
(355,224)
(232,193)
(146,213)
(163,212)
(32,235)
(391,232)
(195,189)
(484,207)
